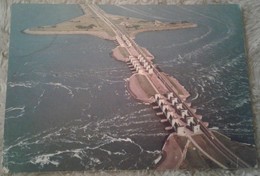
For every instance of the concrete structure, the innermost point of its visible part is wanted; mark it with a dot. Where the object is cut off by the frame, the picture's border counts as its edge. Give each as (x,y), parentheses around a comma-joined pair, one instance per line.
(179,106)
(174,101)
(184,113)
(170,95)
(199,117)
(190,121)
(150,71)
(158,96)
(135,65)
(176,114)
(196,128)
(163,120)
(170,115)
(181,130)
(168,128)
(120,41)
(166,109)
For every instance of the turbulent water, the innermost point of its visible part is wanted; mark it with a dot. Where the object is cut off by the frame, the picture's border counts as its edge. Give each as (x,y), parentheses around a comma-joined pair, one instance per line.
(67,106)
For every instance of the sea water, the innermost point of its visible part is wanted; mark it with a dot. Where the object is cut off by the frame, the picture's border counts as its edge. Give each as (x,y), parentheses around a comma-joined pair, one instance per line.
(67,105)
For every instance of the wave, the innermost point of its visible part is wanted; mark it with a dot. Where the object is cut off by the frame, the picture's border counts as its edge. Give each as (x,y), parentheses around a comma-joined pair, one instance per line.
(120,153)
(26,84)
(229,33)
(201,86)
(43,160)
(77,154)
(147,134)
(235,103)
(47,159)
(214,128)
(95,141)
(58,85)
(142,12)
(95,160)
(242,102)
(174,61)
(130,116)
(20,110)
(110,70)
(81,88)
(237,131)
(193,40)
(110,81)
(39,100)
(232,62)
(128,140)
(48,45)
(196,96)
(149,14)
(229,30)
(206,16)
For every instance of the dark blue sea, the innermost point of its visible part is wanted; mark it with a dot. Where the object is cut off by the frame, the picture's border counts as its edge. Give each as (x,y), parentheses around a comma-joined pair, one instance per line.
(67,105)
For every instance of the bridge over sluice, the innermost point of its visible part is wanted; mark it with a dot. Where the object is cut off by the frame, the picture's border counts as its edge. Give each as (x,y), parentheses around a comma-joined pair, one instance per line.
(172,110)
(139,65)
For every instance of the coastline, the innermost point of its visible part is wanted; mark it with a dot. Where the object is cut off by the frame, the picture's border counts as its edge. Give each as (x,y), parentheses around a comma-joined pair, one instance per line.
(118,55)
(187,155)
(165,28)
(100,34)
(105,35)
(136,91)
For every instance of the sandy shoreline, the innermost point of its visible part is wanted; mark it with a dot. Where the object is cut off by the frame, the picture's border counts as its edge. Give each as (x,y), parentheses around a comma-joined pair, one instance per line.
(100,34)
(183,26)
(118,55)
(172,155)
(136,91)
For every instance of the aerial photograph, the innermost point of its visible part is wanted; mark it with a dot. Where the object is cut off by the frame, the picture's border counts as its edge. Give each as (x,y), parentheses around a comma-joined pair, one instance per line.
(127,87)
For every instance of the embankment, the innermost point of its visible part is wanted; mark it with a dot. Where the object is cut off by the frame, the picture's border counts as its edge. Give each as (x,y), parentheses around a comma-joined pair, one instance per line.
(140,88)
(43,31)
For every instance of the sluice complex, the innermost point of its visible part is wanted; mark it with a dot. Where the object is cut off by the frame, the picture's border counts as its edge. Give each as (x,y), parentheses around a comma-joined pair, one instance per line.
(181,117)
(191,144)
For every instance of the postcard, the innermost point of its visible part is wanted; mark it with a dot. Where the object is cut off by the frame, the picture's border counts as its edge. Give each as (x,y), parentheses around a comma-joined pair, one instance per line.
(127,87)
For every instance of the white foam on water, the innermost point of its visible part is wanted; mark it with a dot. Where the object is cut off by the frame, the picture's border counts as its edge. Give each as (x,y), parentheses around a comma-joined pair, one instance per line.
(214,128)
(157,159)
(193,40)
(77,153)
(43,160)
(95,160)
(26,84)
(81,88)
(58,85)
(120,153)
(107,151)
(20,110)
(39,100)
(196,96)
(129,140)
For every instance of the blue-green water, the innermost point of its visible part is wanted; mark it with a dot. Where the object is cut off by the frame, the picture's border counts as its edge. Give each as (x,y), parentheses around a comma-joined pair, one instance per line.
(67,106)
